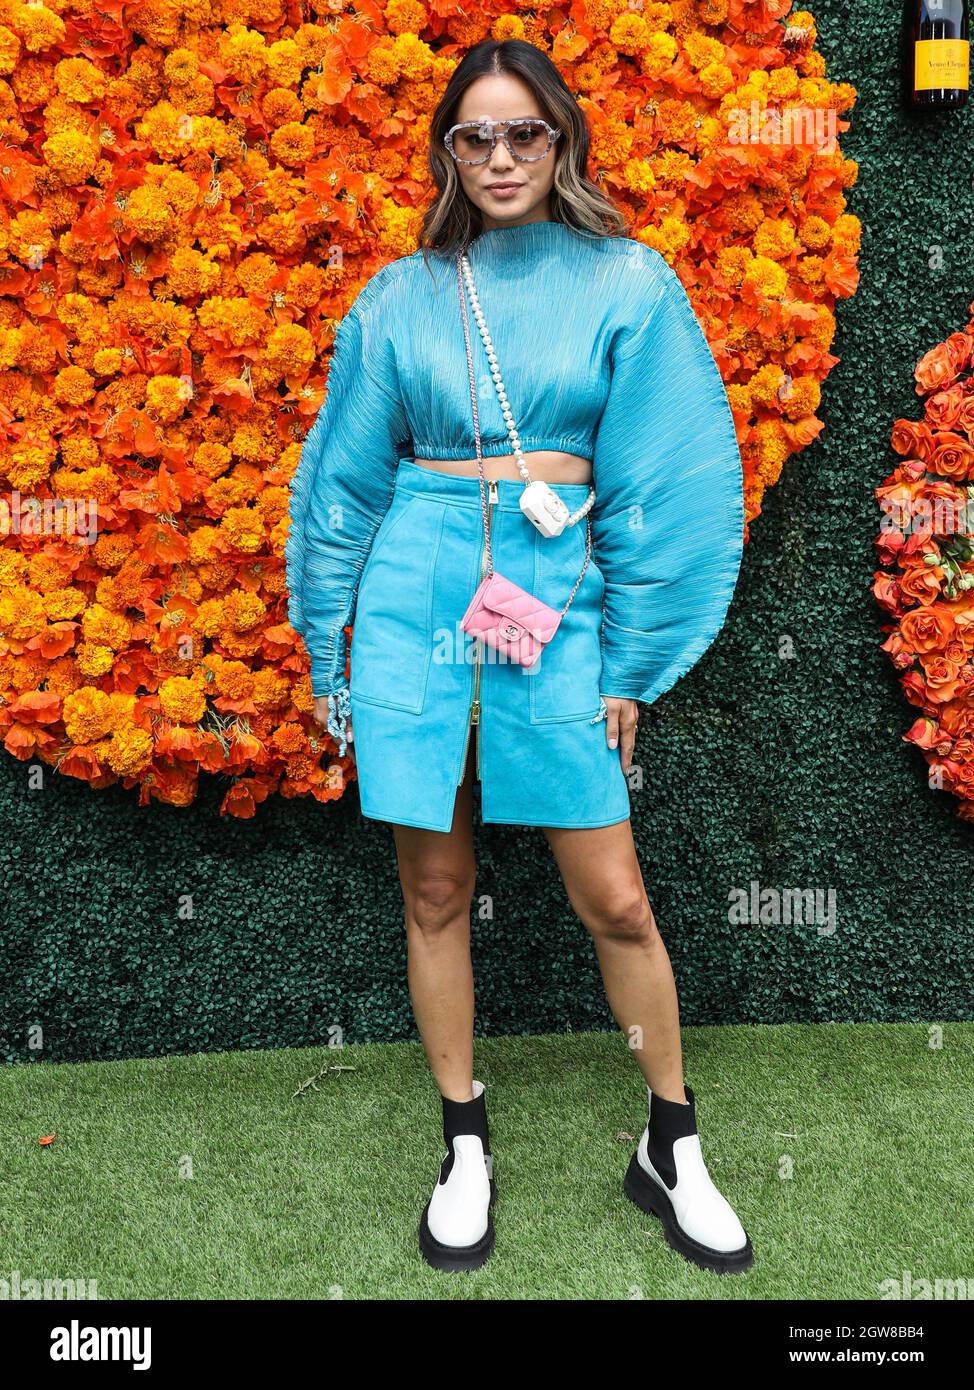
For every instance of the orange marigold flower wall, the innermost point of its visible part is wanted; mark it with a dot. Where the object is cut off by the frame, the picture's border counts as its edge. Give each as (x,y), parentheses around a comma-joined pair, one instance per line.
(190,203)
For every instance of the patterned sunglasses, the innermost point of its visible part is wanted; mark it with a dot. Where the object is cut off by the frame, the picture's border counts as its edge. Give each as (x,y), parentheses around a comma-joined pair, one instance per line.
(527,138)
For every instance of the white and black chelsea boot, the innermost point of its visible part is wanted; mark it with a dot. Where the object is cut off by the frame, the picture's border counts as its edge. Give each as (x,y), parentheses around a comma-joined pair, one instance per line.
(456,1231)
(668,1178)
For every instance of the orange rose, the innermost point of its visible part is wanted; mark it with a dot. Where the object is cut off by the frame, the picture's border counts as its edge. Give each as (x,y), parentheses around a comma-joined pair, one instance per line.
(886,592)
(959,347)
(928,629)
(944,502)
(963,611)
(913,688)
(943,678)
(923,732)
(920,542)
(965,420)
(900,657)
(921,583)
(889,543)
(957,718)
(956,651)
(943,409)
(953,456)
(935,369)
(912,438)
(896,503)
(965,779)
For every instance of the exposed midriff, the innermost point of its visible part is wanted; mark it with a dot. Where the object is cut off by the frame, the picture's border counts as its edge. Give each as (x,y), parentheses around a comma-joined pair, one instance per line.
(544,465)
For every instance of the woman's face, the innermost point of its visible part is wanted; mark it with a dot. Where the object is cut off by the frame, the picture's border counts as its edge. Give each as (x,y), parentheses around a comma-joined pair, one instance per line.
(507,191)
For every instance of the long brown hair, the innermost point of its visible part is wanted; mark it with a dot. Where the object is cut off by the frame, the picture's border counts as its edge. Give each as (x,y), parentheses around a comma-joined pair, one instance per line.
(452,220)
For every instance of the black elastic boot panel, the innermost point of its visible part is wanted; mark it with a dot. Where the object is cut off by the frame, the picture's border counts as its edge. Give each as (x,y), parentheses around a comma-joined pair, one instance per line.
(463,1117)
(668,1121)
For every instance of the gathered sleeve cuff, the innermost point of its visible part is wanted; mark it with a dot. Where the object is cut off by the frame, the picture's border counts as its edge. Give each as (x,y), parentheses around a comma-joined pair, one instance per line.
(342,489)
(668,522)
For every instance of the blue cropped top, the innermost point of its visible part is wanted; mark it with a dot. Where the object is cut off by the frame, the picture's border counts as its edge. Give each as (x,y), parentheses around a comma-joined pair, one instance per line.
(602,356)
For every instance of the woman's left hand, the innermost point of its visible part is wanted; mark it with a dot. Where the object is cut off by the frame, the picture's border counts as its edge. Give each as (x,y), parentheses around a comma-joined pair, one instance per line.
(620,727)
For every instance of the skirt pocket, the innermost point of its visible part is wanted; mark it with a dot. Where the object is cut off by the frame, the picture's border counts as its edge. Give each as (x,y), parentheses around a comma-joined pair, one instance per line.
(392,635)
(564,685)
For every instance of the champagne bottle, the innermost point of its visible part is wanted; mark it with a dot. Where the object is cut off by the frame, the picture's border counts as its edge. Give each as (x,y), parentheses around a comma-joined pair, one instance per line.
(938,59)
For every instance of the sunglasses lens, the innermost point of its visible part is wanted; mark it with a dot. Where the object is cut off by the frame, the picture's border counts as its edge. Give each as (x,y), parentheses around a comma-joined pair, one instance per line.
(529,140)
(470,144)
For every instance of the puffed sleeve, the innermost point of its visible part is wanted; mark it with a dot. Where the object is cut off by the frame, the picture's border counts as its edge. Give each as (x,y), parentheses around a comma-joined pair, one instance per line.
(668,521)
(342,489)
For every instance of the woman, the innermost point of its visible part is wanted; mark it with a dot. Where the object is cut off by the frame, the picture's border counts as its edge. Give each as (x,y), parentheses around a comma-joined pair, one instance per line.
(611,383)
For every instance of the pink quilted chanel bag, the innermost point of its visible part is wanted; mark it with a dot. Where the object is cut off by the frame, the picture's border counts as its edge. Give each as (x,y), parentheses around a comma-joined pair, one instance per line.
(506,616)
(510,619)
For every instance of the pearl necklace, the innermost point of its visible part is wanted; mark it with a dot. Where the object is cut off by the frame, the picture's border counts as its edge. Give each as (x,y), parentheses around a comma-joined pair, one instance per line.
(589,502)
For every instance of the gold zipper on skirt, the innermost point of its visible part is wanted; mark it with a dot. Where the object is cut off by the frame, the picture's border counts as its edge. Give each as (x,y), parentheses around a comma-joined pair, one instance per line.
(474,719)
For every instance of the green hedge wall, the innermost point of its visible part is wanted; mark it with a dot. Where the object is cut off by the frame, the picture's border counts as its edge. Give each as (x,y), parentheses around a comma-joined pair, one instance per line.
(786,771)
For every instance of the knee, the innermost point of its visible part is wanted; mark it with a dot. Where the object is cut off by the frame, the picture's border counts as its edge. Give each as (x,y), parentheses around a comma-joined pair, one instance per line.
(625,915)
(437,899)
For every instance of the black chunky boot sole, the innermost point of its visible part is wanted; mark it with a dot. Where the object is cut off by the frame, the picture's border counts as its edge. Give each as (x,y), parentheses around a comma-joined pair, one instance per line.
(456,1258)
(648,1196)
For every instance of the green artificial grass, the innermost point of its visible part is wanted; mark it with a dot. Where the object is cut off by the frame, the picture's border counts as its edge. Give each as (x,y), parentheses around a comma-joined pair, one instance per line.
(317,1194)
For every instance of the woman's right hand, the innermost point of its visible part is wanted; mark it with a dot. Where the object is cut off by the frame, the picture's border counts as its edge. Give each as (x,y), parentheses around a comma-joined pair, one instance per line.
(321,714)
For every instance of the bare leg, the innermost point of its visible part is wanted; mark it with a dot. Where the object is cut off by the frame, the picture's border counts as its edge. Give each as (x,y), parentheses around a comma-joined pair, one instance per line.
(604,883)
(438,875)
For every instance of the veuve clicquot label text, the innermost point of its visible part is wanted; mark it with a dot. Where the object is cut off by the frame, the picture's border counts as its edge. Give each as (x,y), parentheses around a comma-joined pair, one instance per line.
(942,63)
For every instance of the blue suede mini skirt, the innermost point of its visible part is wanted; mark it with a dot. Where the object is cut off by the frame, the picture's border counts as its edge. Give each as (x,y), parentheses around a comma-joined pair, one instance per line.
(421,688)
